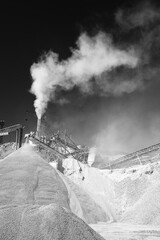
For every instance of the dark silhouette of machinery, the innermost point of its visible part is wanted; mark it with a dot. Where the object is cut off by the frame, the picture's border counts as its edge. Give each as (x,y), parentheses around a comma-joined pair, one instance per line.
(61,145)
(19,133)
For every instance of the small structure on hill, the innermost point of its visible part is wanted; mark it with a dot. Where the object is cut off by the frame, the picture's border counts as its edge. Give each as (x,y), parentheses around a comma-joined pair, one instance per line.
(15,128)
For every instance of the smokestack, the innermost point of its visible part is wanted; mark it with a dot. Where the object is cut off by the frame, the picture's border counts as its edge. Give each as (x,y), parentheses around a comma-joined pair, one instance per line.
(2,123)
(38,127)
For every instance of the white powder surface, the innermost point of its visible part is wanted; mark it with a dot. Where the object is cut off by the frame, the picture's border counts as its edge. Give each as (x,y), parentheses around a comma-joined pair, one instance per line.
(128,195)
(35,202)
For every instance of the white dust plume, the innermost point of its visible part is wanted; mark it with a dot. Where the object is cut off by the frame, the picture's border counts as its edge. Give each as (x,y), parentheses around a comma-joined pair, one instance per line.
(92,57)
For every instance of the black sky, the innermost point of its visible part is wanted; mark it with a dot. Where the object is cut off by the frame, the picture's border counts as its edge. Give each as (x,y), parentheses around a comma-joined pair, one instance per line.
(27,31)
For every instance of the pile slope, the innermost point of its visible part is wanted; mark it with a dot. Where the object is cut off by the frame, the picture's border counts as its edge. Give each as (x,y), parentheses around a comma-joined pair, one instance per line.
(92,212)
(137,196)
(99,188)
(34,201)
(126,195)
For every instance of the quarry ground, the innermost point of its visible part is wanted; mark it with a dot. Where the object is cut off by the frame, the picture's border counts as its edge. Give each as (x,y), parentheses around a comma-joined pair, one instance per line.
(121,231)
(119,204)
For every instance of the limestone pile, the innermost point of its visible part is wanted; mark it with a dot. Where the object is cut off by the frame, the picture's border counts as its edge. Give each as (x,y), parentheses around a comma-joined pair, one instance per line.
(128,195)
(35,203)
(99,188)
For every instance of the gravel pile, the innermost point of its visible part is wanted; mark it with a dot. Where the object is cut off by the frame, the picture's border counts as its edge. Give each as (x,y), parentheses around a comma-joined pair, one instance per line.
(34,201)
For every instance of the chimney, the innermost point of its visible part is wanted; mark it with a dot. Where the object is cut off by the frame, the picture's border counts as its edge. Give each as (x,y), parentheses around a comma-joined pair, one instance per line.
(2,122)
(38,132)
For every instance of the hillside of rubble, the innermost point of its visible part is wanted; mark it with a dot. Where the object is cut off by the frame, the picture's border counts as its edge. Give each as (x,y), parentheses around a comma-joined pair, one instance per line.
(36,203)
(127,195)
(116,195)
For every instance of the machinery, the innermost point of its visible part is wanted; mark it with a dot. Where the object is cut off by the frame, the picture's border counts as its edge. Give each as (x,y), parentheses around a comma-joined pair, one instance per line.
(19,133)
(135,157)
(61,145)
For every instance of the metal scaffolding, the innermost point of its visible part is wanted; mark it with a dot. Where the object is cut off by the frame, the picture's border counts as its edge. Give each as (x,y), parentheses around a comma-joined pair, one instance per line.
(61,145)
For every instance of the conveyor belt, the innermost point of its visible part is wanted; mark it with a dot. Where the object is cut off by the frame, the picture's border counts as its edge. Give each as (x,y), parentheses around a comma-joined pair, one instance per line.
(76,153)
(136,154)
(37,141)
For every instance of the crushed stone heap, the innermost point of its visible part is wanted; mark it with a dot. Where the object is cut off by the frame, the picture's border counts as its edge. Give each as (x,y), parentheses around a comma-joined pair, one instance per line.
(34,201)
